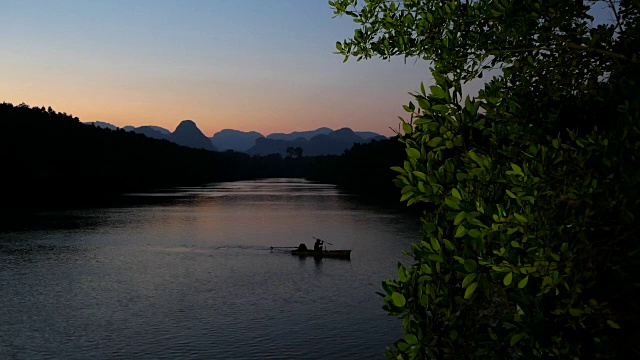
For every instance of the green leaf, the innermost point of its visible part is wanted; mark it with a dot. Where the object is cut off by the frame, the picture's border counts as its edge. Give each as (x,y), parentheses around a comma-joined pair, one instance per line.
(475,157)
(613,324)
(435,244)
(564,247)
(452,202)
(402,346)
(511,195)
(475,233)
(424,104)
(413,153)
(436,258)
(468,279)
(574,312)
(402,274)
(461,216)
(517,170)
(407,128)
(507,279)
(470,265)
(438,92)
(411,339)
(520,218)
(469,292)
(449,245)
(398,169)
(468,105)
(522,283)
(517,337)
(398,299)
(440,108)
(460,231)
(420,175)
(434,142)
(456,193)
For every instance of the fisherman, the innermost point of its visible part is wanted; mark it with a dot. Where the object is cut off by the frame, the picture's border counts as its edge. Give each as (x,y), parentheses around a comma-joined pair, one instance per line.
(318,245)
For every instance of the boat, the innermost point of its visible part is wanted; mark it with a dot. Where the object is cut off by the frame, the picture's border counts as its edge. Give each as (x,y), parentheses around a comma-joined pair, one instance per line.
(340,254)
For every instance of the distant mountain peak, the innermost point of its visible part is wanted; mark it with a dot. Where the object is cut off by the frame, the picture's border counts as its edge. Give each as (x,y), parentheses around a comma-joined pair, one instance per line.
(188,134)
(102,124)
(322,141)
(187,124)
(236,140)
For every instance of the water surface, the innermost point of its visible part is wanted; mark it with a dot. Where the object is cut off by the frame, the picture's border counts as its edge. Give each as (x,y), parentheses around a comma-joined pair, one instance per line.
(188,273)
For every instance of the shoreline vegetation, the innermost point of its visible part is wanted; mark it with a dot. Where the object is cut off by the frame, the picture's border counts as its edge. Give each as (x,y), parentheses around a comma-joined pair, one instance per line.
(530,248)
(52,160)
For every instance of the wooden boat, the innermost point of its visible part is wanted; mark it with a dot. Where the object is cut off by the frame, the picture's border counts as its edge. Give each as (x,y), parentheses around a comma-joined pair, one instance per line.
(340,254)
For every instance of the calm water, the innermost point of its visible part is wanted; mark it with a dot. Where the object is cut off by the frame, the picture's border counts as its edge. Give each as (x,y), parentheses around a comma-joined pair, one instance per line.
(188,273)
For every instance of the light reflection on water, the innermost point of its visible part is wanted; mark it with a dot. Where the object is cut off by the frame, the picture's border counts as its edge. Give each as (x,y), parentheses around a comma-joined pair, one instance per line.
(194,277)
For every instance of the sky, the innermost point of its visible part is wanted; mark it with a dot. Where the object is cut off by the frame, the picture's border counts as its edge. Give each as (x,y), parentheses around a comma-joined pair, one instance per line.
(250,65)
(262,65)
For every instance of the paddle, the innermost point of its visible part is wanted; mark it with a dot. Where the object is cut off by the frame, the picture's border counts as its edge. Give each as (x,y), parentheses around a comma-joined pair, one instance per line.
(326,242)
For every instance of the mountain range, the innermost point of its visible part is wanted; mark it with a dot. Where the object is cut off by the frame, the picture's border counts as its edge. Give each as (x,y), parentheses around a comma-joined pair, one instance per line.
(322,141)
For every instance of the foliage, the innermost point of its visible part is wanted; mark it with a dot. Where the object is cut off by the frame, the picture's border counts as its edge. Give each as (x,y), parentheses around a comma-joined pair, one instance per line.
(532,249)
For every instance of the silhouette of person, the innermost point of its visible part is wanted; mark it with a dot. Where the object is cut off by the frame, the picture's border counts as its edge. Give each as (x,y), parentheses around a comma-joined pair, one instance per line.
(318,245)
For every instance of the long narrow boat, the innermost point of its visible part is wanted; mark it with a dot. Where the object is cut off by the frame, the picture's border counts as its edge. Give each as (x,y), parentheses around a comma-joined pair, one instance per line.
(342,254)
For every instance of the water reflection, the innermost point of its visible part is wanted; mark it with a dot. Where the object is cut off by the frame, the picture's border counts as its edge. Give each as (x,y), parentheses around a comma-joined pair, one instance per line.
(192,276)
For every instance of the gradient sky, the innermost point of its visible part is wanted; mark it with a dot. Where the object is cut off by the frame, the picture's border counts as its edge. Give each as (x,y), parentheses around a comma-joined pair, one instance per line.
(264,65)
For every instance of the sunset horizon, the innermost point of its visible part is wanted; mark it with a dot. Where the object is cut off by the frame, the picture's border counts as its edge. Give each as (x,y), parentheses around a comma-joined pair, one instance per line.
(265,66)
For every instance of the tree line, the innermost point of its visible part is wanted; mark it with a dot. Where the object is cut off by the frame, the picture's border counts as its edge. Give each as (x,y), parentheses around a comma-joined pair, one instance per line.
(50,158)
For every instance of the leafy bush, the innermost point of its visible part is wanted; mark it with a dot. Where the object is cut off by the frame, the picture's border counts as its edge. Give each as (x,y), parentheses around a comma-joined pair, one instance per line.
(532,250)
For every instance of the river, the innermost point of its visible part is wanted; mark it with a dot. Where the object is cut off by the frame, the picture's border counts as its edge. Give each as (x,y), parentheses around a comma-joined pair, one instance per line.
(188,273)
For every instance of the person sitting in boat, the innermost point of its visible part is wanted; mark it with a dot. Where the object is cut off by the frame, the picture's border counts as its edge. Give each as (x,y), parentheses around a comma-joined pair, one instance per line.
(302,247)
(318,245)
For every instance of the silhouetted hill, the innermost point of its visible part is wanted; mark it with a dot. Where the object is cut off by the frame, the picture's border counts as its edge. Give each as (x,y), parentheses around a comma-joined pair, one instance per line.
(160,129)
(151,132)
(102,124)
(229,139)
(265,146)
(345,135)
(370,135)
(188,134)
(331,143)
(299,134)
(236,140)
(153,127)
